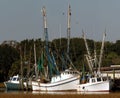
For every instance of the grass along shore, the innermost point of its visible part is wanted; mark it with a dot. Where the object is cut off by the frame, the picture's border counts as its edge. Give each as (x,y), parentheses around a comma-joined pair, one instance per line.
(2,85)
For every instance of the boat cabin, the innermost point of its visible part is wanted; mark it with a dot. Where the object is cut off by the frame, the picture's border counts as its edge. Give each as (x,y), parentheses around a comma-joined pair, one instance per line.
(88,79)
(64,75)
(14,78)
(97,79)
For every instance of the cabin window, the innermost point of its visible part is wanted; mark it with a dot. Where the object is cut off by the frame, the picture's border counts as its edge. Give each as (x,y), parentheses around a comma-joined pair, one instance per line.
(104,78)
(98,79)
(74,72)
(14,79)
(93,80)
(70,72)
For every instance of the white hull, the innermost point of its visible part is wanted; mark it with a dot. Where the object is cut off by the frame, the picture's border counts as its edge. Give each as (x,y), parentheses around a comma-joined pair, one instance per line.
(95,87)
(69,84)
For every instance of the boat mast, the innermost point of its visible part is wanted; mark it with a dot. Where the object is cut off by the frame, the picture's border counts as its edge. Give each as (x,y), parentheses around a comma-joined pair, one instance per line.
(68,28)
(88,56)
(46,36)
(101,51)
(95,56)
(51,61)
(36,73)
(21,68)
(49,69)
(45,26)
(60,34)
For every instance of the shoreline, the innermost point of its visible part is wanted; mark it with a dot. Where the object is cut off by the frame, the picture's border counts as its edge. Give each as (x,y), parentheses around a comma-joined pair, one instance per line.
(10,95)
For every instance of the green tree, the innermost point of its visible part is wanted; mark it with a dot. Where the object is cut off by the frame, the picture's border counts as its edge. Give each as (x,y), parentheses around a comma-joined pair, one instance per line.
(8,55)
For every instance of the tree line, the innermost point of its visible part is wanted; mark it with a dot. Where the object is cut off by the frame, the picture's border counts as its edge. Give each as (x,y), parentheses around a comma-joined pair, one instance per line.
(10,57)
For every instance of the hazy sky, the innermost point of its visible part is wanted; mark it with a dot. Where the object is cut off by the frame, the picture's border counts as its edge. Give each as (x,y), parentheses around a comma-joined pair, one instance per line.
(22,19)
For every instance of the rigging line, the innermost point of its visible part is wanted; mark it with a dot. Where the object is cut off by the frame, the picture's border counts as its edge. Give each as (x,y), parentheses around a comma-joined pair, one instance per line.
(72,65)
(74,50)
(101,51)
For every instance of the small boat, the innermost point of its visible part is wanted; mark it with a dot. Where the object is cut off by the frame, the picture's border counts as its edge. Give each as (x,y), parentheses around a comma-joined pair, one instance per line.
(96,84)
(15,83)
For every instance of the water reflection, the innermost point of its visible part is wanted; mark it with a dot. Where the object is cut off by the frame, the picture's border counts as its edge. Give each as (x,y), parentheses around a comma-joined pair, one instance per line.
(93,92)
(41,92)
(2,90)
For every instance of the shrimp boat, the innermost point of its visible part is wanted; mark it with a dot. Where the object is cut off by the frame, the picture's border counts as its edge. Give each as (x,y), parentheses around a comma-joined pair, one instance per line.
(64,80)
(15,83)
(94,82)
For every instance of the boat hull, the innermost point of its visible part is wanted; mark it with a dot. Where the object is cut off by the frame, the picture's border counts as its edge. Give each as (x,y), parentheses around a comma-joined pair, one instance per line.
(69,84)
(95,87)
(13,86)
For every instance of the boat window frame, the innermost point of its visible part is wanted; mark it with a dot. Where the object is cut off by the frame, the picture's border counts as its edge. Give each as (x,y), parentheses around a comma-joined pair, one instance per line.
(14,79)
(93,80)
(99,79)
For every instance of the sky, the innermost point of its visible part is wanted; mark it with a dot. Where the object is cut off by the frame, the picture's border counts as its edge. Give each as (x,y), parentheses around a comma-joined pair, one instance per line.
(22,19)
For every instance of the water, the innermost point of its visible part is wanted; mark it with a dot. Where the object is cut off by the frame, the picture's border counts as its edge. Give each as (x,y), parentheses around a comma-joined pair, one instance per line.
(3,90)
(35,92)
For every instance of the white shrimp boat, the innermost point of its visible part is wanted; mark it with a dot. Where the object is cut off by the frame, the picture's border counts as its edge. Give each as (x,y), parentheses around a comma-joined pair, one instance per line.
(96,84)
(66,81)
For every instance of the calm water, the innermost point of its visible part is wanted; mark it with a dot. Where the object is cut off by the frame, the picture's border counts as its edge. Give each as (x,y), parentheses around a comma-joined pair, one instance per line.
(3,90)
